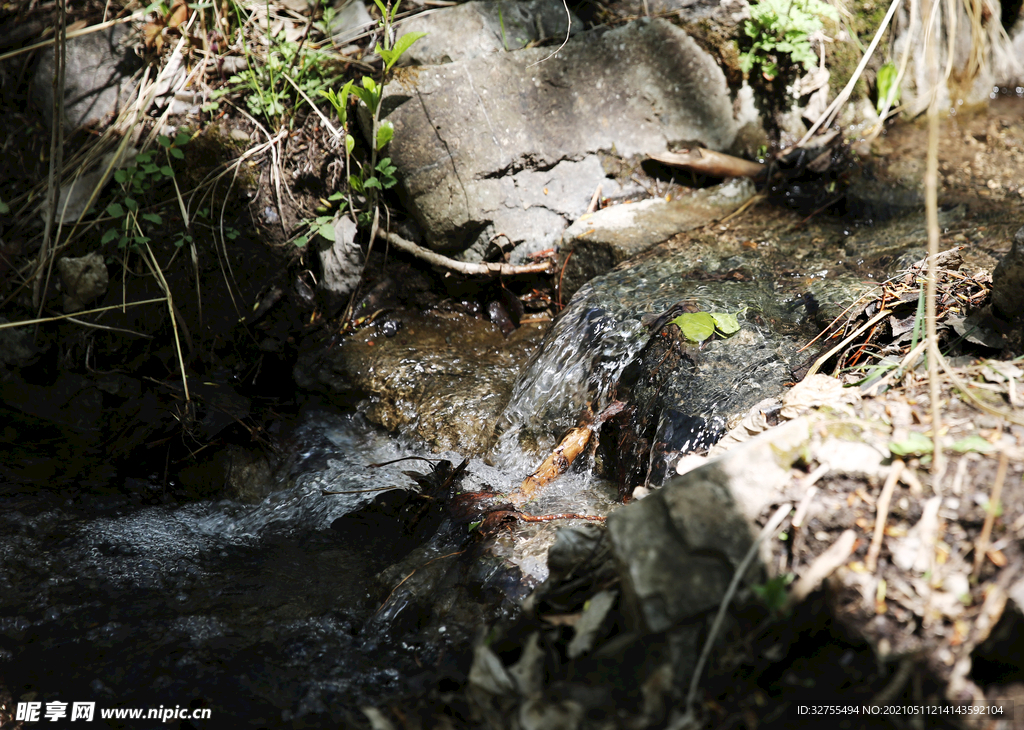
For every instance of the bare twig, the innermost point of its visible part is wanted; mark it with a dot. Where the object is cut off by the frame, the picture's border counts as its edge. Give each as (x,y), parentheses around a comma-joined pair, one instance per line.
(462,267)
(823,566)
(882,513)
(981,547)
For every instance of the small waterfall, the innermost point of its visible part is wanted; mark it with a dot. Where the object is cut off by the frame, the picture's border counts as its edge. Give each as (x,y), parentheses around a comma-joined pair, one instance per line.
(599,335)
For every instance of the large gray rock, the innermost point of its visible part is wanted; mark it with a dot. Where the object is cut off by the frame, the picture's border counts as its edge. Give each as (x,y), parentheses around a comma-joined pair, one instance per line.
(97,81)
(480,28)
(511,143)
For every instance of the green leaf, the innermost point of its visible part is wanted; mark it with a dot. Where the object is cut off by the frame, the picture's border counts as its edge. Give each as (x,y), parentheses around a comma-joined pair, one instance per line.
(150,168)
(115,210)
(167,171)
(164,140)
(176,153)
(120,176)
(696,326)
(143,158)
(914,444)
(381,6)
(973,443)
(726,324)
(356,183)
(401,46)
(326,230)
(350,143)
(336,196)
(153,218)
(886,86)
(371,182)
(182,138)
(385,133)
(109,236)
(301,241)
(131,204)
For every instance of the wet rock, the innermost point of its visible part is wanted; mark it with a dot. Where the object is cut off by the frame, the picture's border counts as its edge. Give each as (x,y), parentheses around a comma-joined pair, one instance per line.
(481,28)
(600,241)
(16,348)
(342,261)
(511,143)
(82,280)
(444,380)
(236,472)
(1008,282)
(98,79)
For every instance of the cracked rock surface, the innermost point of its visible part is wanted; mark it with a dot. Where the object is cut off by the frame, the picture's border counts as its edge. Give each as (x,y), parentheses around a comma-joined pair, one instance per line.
(511,144)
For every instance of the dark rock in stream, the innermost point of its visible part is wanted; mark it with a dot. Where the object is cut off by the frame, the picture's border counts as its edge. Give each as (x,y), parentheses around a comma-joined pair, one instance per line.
(443,378)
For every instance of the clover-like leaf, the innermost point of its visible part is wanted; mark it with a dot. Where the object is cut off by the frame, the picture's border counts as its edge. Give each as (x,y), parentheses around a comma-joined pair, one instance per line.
(695,326)
(726,324)
(115,210)
(972,443)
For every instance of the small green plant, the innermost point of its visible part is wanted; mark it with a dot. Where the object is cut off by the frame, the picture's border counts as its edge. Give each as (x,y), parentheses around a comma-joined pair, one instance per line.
(269,93)
(780,31)
(137,181)
(699,326)
(887,88)
(773,593)
(376,175)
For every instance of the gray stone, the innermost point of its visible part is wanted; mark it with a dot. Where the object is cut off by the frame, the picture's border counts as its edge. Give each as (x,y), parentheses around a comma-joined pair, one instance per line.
(98,79)
(16,348)
(604,239)
(1008,282)
(678,548)
(350,21)
(342,261)
(480,28)
(82,280)
(478,141)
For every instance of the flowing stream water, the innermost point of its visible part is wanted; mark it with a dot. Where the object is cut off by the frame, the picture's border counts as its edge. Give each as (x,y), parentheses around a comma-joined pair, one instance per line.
(268,616)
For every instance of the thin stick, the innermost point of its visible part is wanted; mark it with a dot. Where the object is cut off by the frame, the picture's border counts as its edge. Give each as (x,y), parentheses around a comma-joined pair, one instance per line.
(27,322)
(462,267)
(882,514)
(568,28)
(72,34)
(769,529)
(830,112)
(56,157)
(981,547)
(931,184)
(824,358)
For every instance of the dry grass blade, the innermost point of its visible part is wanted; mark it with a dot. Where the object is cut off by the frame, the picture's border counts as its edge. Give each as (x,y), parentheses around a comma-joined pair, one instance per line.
(863,328)
(882,514)
(72,34)
(45,260)
(41,320)
(981,547)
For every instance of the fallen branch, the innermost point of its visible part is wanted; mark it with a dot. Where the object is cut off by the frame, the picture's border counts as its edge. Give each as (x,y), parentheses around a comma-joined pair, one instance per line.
(709,162)
(822,568)
(462,267)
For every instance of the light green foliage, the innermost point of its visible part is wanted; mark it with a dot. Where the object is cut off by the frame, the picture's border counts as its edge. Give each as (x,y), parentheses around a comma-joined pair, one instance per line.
(137,181)
(888,91)
(915,444)
(699,326)
(269,94)
(783,28)
(4,208)
(972,443)
(773,593)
